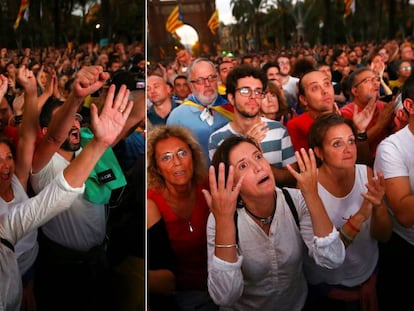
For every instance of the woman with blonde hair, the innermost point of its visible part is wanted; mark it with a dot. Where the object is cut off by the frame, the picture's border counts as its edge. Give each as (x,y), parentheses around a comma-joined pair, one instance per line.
(176,221)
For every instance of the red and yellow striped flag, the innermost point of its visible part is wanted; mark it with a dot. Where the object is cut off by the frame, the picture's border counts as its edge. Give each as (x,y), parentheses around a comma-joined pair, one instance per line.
(213,22)
(23,6)
(349,7)
(174,20)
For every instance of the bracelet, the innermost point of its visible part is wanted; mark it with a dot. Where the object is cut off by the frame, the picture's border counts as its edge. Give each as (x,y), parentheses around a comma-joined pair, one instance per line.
(352,226)
(362,136)
(18,119)
(346,236)
(226,245)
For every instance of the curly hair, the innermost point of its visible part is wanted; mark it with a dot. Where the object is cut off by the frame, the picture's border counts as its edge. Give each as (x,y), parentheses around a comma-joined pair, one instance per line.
(242,71)
(160,132)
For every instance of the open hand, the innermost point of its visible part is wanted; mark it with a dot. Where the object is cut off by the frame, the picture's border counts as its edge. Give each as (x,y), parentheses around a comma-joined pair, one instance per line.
(376,189)
(307,177)
(222,198)
(108,124)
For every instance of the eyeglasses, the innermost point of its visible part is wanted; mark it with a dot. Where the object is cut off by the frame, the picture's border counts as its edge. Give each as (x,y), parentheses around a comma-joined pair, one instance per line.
(169,156)
(366,80)
(202,81)
(406,68)
(247,92)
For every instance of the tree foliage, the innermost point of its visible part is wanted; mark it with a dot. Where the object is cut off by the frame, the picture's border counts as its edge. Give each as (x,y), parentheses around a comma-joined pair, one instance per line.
(56,22)
(277,23)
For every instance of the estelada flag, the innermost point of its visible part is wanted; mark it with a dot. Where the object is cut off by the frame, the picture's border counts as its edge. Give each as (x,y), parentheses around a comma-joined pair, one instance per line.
(349,7)
(174,20)
(23,6)
(213,22)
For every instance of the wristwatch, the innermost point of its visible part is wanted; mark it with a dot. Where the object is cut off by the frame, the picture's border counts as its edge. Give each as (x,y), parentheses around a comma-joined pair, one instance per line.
(362,136)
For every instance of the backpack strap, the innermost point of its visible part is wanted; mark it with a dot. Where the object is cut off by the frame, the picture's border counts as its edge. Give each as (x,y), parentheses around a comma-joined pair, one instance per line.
(291,206)
(237,228)
(7,243)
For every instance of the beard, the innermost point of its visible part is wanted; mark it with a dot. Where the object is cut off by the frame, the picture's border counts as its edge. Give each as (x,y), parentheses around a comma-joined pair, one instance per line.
(68,146)
(246,114)
(206,100)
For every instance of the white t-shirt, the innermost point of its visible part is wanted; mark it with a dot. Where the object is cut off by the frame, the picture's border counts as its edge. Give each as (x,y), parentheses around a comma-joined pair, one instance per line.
(362,255)
(81,227)
(394,158)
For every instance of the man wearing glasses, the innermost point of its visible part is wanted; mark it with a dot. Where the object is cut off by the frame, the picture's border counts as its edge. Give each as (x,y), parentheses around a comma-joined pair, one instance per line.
(245,92)
(205,110)
(364,86)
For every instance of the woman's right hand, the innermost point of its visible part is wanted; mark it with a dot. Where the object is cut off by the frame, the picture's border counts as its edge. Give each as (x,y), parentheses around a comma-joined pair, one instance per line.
(222,198)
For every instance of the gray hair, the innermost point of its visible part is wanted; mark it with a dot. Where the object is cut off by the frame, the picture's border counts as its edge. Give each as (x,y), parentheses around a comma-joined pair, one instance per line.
(195,62)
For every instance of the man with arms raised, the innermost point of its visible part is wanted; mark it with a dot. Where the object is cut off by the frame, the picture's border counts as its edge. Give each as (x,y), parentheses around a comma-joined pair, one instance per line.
(70,274)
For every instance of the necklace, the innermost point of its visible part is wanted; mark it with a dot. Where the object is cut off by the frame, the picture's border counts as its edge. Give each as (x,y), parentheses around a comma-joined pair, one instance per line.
(190,227)
(263,220)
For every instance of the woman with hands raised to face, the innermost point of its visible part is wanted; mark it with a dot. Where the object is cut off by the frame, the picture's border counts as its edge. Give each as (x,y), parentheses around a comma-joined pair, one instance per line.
(255,259)
(353,198)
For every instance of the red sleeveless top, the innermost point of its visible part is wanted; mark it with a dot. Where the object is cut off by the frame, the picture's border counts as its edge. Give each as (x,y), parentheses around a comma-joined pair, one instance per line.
(188,241)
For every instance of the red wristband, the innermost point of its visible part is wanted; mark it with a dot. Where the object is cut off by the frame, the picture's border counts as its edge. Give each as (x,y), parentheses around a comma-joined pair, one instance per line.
(351,225)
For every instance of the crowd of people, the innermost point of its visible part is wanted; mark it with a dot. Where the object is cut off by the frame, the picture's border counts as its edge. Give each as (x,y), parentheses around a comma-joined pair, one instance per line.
(273,180)
(306,203)
(72,186)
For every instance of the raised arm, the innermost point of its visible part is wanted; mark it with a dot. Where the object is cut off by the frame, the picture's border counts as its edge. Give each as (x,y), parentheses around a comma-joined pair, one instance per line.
(3,86)
(59,194)
(106,127)
(29,127)
(87,81)
(307,182)
(222,201)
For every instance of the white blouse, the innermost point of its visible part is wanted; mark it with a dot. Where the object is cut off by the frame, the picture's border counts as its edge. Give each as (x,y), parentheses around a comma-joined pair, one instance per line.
(25,217)
(268,272)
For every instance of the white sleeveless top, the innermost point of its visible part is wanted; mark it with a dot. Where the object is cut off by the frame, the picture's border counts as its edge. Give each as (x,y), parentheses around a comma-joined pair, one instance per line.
(362,255)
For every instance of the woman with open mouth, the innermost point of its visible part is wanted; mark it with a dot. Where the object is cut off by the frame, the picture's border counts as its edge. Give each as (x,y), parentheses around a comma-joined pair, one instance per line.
(256,238)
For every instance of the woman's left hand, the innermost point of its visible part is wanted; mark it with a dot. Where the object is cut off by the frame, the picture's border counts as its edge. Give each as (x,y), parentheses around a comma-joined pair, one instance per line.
(376,190)
(307,177)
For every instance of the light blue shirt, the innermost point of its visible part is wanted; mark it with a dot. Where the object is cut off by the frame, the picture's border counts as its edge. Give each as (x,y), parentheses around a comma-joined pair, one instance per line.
(189,117)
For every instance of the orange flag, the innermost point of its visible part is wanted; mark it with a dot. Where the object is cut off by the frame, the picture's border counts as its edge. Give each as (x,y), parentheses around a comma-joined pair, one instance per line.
(23,6)
(174,20)
(213,22)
